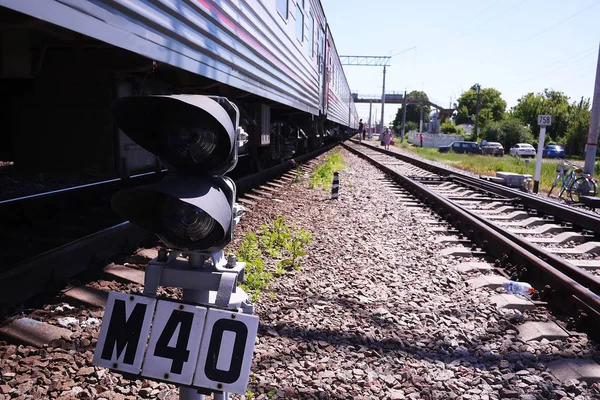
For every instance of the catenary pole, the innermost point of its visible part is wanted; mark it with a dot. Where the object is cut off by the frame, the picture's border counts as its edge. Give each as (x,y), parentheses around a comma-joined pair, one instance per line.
(370,112)
(477,114)
(383,100)
(403,118)
(592,141)
(421,120)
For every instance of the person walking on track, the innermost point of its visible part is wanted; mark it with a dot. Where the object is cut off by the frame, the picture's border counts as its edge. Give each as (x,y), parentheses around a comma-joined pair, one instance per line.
(361,126)
(387,138)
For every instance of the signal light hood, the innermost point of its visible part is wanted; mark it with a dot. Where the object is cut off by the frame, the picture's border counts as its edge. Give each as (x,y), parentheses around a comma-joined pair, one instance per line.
(143,206)
(191,134)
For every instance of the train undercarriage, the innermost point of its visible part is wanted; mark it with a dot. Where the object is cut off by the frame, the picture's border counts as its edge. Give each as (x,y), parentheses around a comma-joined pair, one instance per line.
(58,86)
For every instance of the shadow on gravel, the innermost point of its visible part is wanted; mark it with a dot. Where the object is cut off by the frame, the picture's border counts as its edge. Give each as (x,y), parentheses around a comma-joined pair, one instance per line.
(403,340)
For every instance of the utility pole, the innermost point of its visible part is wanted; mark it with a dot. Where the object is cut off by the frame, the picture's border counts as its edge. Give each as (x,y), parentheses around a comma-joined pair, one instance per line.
(383,99)
(477,113)
(370,110)
(403,117)
(592,141)
(421,120)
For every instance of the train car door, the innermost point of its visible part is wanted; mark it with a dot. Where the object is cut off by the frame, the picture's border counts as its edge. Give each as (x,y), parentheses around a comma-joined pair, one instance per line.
(321,59)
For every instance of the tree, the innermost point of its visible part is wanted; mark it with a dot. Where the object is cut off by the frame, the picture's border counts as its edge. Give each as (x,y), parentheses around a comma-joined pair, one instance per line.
(514,132)
(448,127)
(492,106)
(410,126)
(550,102)
(493,132)
(578,128)
(509,132)
(413,111)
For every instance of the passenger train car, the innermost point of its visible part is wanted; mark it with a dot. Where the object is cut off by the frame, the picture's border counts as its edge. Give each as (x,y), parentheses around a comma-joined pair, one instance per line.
(63,63)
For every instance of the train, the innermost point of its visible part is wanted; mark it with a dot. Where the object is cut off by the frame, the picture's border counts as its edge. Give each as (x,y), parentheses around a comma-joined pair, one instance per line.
(64,62)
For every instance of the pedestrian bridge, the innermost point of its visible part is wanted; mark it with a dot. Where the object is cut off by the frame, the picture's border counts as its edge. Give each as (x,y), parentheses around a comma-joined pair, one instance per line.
(398,98)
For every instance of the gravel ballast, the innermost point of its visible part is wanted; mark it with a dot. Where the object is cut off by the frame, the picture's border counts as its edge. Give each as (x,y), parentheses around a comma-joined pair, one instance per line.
(373,313)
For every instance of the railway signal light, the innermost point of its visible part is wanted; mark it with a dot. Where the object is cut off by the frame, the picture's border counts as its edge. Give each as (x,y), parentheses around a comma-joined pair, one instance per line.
(207,346)
(197,138)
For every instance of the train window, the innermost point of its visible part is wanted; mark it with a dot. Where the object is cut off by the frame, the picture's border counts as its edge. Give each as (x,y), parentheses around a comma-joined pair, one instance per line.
(311,36)
(299,23)
(282,8)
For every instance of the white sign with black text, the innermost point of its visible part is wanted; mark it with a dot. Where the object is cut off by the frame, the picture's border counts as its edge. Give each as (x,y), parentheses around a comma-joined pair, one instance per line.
(544,120)
(187,344)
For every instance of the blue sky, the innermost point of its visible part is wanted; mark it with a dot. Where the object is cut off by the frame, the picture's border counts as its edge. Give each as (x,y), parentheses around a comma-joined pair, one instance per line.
(514,46)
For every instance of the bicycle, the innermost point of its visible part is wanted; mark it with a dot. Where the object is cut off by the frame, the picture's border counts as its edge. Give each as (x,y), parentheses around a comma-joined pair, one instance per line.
(575,183)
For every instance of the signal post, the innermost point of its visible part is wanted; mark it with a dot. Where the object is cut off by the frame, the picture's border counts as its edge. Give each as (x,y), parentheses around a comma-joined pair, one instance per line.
(543,122)
(203,342)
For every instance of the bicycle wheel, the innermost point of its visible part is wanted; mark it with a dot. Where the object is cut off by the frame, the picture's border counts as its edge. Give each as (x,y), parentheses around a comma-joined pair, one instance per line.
(582,187)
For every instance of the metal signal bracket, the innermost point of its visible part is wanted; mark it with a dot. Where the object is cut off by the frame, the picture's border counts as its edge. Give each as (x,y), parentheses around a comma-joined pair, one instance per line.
(217,277)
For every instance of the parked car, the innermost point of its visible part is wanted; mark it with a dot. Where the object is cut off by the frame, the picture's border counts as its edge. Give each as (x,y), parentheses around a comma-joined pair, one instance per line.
(522,150)
(461,147)
(553,151)
(493,148)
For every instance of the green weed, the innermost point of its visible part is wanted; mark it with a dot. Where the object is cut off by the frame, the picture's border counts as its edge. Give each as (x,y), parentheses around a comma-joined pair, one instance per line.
(272,238)
(322,176)
(277,240)
(294,247)
(256,277)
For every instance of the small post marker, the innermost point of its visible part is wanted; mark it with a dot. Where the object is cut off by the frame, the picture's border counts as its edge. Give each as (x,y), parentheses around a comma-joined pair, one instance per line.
(543,122)
(335,186)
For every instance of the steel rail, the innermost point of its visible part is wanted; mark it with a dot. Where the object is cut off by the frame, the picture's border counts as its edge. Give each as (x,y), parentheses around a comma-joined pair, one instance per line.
(501,245)
(568,214)
(54,268)
(77,192)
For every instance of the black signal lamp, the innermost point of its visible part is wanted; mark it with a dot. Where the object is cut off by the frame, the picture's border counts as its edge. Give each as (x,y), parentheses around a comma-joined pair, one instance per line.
(197,137)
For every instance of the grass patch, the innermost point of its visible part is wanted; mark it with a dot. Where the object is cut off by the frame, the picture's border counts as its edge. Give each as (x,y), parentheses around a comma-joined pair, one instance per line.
(323,174)
(281,243)
(489,165)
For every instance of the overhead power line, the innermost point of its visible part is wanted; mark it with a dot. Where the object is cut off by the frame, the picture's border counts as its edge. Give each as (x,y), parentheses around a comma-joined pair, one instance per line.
(506,11)
(564,20)
(570,62)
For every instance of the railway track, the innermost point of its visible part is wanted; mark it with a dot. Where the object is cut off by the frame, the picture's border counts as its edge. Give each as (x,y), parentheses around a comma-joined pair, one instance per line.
(38,265)
(398,322)
(554,247)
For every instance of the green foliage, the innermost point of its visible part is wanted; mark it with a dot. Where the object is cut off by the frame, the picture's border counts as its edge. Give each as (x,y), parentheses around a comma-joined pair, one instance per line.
(410,126)
(256,277)
(323,174)
(249,394)
(448,128)
(413,111)
(550,102)
(508,132)
(273,238)
(294,247)
(578,128)
(514,132)
(492,106)
(493,133)
(278,240)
